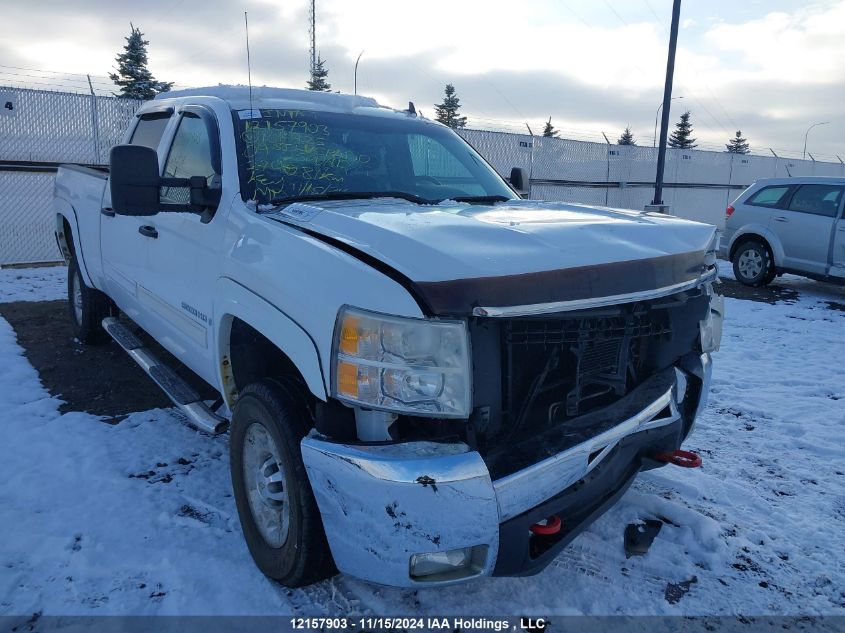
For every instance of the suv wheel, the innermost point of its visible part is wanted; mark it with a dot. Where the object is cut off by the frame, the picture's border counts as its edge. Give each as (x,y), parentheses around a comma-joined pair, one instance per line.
(753,264)
(87,307)
(279,516)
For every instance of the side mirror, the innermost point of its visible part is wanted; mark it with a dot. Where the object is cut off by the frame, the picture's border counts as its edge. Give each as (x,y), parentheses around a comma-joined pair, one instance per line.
(136,185)
(134,180)
(520,181)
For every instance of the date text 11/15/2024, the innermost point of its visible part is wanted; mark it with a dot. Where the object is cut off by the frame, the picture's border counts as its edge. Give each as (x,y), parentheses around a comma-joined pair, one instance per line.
(451,623)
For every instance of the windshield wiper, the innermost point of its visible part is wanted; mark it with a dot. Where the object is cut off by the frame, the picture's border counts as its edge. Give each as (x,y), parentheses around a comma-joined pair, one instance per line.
(481,199)
(353,195)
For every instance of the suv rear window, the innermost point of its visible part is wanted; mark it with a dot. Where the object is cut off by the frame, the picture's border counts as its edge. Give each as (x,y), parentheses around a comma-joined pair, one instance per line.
(817,200)
(768,196)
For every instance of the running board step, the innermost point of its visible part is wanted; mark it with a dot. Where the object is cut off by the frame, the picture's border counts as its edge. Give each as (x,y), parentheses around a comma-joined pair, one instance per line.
(180,392)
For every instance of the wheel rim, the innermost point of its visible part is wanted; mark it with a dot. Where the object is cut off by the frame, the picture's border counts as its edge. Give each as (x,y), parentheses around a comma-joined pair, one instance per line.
(266,485)
(77,297)
(750,264)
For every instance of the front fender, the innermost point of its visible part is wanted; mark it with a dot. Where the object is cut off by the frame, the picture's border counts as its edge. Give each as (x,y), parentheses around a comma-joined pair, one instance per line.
(234,300)
(766,233)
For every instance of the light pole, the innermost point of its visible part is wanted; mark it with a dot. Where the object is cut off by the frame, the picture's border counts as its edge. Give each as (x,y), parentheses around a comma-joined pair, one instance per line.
(656,114)
(807,134)
(657,201)
(356,71)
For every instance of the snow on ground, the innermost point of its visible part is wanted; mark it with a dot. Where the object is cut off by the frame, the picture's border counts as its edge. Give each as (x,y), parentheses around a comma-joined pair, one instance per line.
(138,518)
(33,284)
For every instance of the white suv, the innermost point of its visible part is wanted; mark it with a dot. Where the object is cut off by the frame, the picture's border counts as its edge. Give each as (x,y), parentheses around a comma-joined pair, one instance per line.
(792,225)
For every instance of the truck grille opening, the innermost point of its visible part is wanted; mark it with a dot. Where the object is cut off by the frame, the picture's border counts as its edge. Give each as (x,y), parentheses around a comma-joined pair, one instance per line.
(556,369)
(584,362)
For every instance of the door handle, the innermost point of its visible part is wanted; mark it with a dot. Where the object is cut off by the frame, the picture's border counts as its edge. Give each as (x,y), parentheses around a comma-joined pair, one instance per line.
(780,218)
(108,211)
(148,231)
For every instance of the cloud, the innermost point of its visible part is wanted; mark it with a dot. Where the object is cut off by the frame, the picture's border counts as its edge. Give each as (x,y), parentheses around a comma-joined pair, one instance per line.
(770,74)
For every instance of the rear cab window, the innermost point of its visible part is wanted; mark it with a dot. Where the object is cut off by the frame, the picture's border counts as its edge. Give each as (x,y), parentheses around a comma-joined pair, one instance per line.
(769,196)
(149,130)
(821,200)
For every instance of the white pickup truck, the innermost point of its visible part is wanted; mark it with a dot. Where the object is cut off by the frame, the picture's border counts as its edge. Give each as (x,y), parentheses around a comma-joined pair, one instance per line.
(425,378)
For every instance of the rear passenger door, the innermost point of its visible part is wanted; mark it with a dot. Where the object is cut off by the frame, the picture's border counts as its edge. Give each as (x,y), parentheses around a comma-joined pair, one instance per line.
(759,207)
(805,226)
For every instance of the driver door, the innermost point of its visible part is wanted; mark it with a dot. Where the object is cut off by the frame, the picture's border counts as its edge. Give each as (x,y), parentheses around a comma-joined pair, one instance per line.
(176,286)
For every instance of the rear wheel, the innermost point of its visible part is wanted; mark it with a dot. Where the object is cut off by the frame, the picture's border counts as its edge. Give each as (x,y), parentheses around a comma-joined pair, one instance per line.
(753,264)
(279,516)
(87,307)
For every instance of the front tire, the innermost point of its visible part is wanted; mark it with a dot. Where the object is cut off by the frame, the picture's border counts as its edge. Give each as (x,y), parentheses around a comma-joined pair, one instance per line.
(279,516)
(87,307)
(753,265)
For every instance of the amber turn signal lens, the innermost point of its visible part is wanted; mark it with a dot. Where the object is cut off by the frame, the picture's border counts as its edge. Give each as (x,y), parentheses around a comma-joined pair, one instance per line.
(347,379)
(349,335)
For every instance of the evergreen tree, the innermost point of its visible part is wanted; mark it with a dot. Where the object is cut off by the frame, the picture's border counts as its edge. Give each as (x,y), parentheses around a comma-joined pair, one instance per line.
(737,145)
(318,77)
(549,130)
(681,136)
(132,77)
(447,112)
(627,137)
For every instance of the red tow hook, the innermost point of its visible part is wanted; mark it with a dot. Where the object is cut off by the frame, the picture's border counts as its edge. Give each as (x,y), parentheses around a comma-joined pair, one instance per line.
(684,459)
(550,527)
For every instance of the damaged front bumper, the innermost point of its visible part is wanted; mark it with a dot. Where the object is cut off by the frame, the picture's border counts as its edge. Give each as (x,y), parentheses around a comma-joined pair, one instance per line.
(386,507)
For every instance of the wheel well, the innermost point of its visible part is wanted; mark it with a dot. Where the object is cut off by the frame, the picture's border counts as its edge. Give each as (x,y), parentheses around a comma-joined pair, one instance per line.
(65,238)
(751,237)
(253,357)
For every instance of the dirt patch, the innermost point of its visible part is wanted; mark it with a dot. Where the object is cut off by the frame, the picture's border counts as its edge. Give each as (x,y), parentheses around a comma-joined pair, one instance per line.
(99,379)
(773,293)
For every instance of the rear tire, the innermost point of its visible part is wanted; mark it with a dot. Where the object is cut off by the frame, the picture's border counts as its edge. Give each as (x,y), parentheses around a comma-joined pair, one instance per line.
(281,523)
(753,265)
(87,307)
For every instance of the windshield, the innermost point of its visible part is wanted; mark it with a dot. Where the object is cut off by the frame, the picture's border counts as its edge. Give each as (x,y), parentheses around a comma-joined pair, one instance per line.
(291,154)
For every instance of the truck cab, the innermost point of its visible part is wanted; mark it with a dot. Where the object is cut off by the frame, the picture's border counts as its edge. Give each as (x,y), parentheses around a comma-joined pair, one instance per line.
(425,377)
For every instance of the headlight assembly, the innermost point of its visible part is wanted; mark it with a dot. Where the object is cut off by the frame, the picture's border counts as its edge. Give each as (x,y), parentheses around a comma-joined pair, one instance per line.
(416,366)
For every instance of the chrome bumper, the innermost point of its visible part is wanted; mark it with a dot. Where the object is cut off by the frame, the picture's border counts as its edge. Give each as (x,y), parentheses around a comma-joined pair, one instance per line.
(383,504)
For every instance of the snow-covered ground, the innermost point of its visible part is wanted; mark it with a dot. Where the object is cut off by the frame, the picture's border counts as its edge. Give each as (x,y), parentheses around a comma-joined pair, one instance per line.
(137,518)
(46,283)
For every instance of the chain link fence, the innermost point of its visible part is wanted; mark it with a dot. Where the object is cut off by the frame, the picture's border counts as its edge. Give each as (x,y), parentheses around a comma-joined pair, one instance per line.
(40,129)
(61,127)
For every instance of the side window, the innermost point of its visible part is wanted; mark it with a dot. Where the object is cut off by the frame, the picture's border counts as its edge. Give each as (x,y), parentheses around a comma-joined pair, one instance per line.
(190,155)
(817,200)
(768,196)
(149,129)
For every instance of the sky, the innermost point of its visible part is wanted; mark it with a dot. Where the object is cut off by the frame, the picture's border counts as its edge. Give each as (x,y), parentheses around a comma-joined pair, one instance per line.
(771,68)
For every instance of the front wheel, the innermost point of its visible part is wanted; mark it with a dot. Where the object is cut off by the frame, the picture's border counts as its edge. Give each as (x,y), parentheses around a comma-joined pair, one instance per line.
(87,307)
(279,516)
(753,265)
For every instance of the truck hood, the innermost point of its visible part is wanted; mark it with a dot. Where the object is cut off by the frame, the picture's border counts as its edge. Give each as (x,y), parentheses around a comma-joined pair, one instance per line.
(460,256)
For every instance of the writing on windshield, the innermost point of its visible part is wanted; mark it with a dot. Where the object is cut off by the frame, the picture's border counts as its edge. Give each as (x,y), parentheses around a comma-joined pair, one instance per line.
(287,153)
